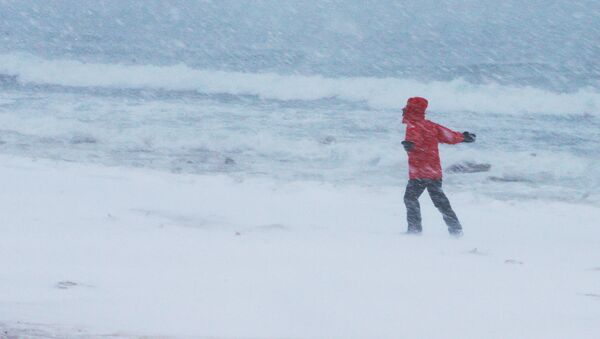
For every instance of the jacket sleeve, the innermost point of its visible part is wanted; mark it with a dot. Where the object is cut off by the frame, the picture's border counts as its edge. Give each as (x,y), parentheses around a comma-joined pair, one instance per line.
(448,136)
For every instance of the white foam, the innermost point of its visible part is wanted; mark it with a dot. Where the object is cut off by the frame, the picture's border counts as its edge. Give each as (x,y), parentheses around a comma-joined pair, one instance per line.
(455,95)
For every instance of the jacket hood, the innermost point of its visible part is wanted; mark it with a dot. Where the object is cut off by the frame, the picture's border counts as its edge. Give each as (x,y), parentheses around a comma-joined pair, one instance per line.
(414,109)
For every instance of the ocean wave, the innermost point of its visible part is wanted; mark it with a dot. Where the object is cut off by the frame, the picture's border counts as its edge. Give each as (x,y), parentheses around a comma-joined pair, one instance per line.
(383,93)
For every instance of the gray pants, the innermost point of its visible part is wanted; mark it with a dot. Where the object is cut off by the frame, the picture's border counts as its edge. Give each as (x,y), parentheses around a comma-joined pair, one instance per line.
(414,189)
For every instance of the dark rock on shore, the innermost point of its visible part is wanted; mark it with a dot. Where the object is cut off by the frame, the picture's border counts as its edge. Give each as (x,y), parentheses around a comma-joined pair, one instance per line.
(468,167)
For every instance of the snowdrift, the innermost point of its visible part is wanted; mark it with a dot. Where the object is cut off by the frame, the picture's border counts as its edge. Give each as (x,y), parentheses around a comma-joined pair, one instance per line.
(95,251)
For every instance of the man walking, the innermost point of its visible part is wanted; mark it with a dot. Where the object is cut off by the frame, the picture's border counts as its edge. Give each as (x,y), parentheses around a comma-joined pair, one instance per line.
(425,170)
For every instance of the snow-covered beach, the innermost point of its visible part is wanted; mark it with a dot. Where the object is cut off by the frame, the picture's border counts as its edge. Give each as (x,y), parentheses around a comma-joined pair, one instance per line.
(236,169)
(92,251)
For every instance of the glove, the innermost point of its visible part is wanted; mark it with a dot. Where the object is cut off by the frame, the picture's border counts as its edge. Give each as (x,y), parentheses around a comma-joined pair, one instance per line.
(408,145)
(469,137)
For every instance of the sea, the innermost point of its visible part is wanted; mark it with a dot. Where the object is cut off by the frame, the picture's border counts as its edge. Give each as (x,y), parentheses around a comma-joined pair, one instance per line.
(296,91)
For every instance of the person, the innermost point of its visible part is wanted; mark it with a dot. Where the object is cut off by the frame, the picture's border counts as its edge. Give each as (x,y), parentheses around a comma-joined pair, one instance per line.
(425,170)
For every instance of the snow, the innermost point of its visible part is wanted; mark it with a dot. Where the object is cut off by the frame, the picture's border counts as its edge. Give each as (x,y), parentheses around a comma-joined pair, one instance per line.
(88,251)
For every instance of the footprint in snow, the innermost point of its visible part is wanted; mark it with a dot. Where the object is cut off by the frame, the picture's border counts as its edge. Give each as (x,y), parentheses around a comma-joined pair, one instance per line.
(66,284)
(475,251)
(63,285)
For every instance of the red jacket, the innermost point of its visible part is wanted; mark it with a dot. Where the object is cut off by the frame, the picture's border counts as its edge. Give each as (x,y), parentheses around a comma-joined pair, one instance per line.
(424,158)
